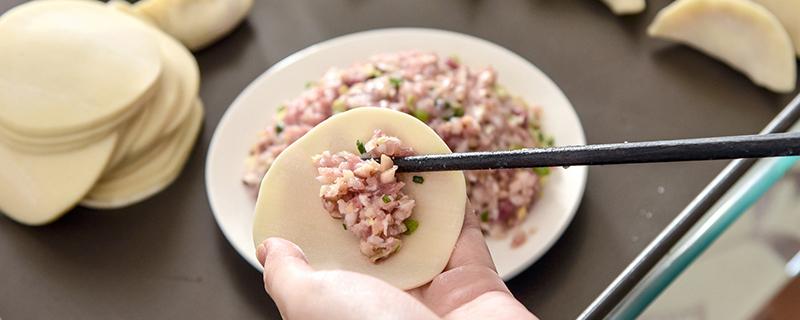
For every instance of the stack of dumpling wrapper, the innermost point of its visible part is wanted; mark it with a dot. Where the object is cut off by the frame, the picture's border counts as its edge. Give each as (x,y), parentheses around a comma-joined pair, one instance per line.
(97,107)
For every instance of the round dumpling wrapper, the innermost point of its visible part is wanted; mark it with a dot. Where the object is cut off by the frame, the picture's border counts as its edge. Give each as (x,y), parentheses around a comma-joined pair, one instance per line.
(184,84)
(38,188)
(69,142)
(71,65)
(179,85)
(289,206)
(134,181)
(188,80)
(128,133)
(173,101)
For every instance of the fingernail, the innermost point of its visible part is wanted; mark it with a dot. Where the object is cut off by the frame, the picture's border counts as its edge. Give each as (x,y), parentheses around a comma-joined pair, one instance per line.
(261,253)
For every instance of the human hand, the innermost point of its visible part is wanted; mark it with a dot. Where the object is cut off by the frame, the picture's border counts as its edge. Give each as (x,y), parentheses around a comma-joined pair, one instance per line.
(468,288)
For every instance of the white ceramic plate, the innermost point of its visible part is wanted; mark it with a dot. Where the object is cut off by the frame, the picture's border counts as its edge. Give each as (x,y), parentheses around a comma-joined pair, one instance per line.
(233,205)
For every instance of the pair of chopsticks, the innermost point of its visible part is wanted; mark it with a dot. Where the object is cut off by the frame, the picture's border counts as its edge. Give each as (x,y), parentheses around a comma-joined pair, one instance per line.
(719,148)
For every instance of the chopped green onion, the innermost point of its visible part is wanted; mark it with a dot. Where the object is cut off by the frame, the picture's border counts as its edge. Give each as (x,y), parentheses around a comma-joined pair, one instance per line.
(532,131)
(458,112)
(422,115)
(418,179)
(374,73)
(411,102)
(517,147)
(310,84)
(543,171)
(282,108)
(278,128)
(538,134)
(485,216)
(411,226)
(549,141)
(360,146)
(338,106)
(281,113)
(386,199)
(396,82)
(344,226)
(501,92)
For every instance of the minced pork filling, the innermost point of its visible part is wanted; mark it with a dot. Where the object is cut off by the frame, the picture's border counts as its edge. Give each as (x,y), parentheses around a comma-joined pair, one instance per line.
(367,195)
(466,106)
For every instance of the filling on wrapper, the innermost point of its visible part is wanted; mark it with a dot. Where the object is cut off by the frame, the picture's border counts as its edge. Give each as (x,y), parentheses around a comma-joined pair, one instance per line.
(466,107)
(289,206)
(366,194)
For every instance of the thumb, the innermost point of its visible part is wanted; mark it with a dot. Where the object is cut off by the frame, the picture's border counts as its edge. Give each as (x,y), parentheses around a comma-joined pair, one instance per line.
(285,267)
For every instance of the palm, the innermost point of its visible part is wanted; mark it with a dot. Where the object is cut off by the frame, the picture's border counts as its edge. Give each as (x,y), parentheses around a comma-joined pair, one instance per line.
(469,287)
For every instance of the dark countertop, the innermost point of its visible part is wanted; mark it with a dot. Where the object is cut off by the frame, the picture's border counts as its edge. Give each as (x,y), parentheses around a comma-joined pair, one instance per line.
(166,258)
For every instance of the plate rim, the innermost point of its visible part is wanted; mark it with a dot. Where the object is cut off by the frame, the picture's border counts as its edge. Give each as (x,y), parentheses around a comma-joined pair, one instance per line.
(298,55)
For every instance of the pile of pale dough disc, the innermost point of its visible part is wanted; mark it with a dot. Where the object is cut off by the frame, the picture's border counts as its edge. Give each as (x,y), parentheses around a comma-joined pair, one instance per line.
(97,107)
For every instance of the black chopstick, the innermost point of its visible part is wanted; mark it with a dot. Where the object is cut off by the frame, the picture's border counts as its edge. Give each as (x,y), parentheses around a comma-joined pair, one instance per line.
(719,148)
